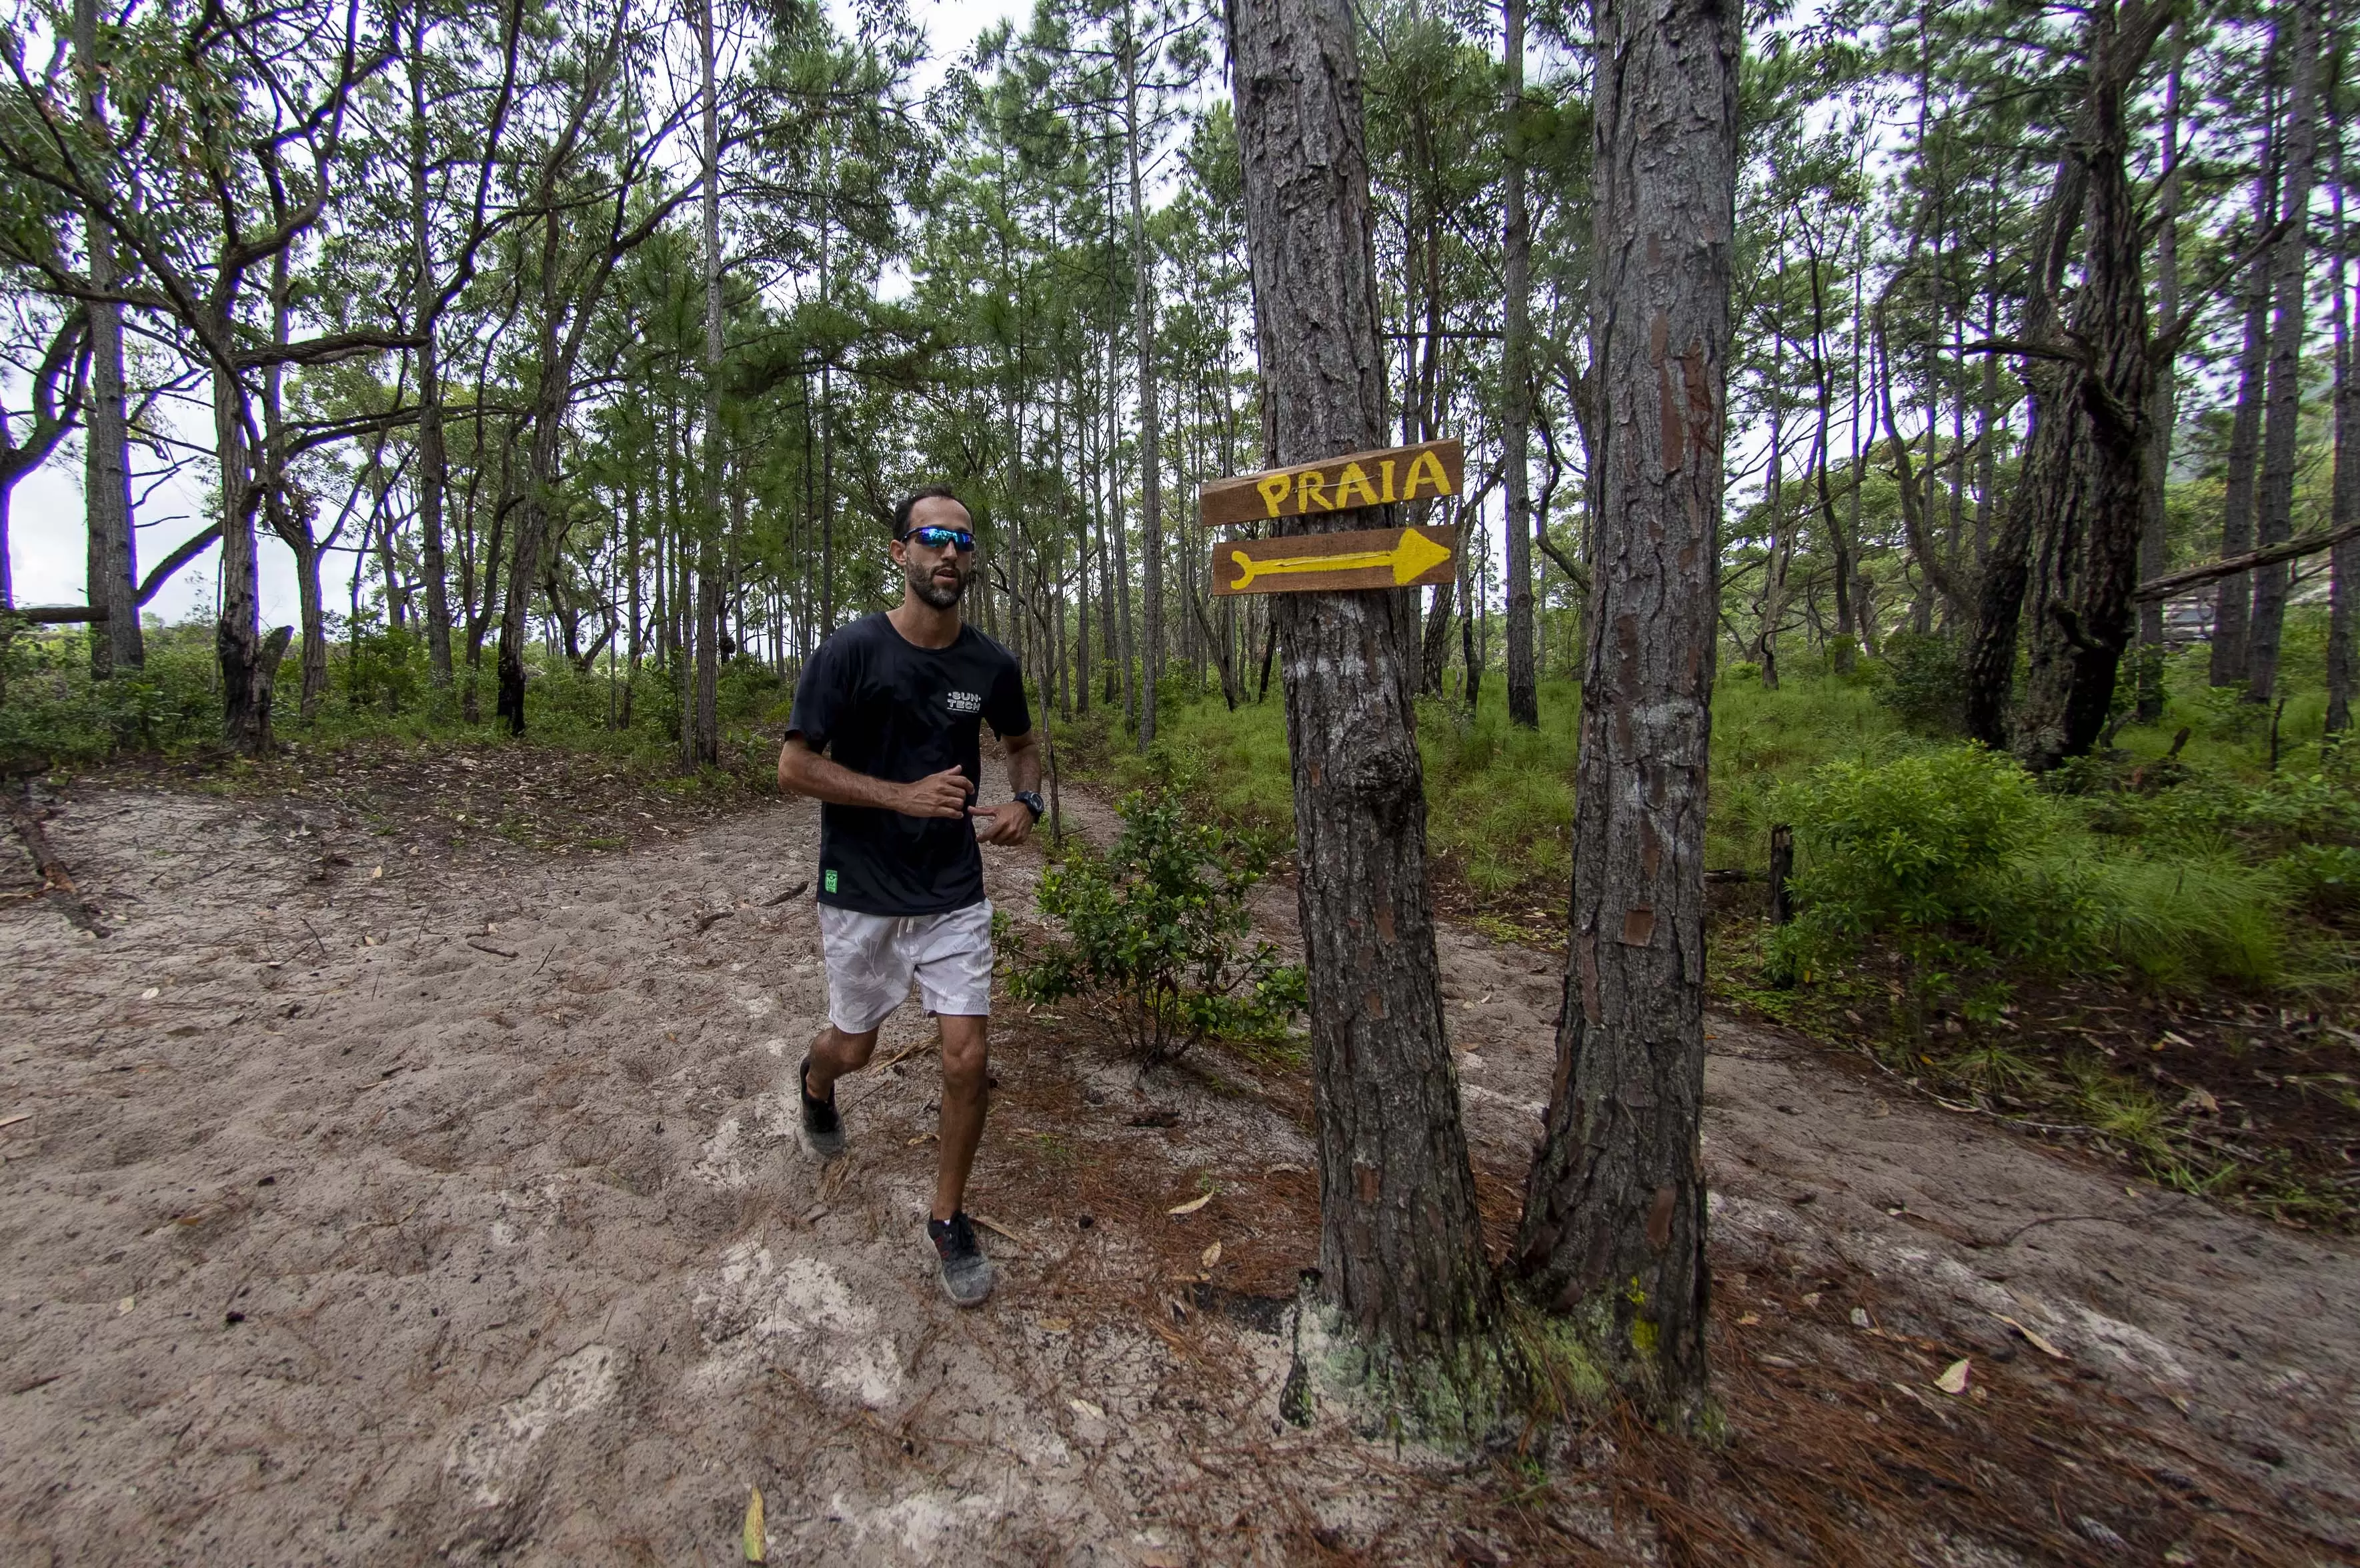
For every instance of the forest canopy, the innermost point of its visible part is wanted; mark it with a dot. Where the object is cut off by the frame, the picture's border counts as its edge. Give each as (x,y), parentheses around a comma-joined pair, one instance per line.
(606,336)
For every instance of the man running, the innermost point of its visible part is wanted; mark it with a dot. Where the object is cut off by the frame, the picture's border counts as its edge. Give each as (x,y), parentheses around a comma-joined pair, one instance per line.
(895,700)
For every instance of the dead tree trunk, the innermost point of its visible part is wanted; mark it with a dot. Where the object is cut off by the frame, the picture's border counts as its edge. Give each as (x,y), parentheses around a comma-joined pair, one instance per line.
(1401,1244)
(1614,1208)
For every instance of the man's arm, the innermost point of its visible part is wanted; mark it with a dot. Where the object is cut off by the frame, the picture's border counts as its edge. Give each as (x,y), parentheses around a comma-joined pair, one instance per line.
(802,771)
(1012,822)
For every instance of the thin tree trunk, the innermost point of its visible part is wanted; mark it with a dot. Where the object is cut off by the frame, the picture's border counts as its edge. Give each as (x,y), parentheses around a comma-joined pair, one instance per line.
(702,734)
(2343,565)
(2282,412)
(2233,600)
(1151,435)
(1615,1207)
(1401,1243)
(1515,368)
(433,461)
(113,571)
(2155,553)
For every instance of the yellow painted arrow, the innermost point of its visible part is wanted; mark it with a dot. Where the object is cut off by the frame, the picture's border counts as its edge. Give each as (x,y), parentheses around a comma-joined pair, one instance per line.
(1411,557)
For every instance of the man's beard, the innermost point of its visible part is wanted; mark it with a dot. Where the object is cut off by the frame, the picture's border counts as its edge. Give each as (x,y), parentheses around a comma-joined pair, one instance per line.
(923,585)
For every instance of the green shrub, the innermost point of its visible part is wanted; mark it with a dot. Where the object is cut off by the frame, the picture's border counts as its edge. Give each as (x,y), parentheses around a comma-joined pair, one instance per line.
(1924,850)
(1921,684)
(1153,934)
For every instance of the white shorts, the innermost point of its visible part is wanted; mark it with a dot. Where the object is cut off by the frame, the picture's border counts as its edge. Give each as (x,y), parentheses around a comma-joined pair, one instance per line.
(871,960)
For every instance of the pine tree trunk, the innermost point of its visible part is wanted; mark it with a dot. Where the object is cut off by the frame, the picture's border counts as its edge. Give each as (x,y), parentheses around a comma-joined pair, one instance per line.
(2282,410)
(1151,430)
(2087,541)
(1615,1207)
(1988,663)
(2343,565)
(1515,369)
(702,734)
(112,575)
(2233,601)
(1401,1244)
(2154,544)
(434,460)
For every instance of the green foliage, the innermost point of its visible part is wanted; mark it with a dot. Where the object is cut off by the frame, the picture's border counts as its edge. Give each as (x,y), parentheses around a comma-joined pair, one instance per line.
(1960,860)
(1922,685)
(1154,934)
(1922,850)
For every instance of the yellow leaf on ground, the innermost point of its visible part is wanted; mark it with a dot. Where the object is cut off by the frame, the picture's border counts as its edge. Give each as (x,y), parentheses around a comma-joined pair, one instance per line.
(1192,1205)
(1954,1380)
(1212,1255)
(1055,1325)
(753,1541)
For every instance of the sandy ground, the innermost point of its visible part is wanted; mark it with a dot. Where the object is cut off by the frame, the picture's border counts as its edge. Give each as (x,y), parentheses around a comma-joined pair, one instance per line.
(367,1201)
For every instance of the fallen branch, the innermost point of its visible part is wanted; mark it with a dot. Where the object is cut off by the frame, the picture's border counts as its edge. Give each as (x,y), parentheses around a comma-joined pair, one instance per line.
(2171,583)
(57,882)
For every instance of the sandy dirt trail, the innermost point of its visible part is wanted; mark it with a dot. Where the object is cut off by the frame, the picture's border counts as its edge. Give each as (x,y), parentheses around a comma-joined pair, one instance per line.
(444,1207)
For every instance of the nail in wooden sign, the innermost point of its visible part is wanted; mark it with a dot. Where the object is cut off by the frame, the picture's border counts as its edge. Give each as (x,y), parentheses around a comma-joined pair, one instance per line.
(1303,563)
(1336,484)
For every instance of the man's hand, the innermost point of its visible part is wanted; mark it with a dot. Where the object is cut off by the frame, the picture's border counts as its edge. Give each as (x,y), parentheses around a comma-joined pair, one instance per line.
(943,794)
(1010,823)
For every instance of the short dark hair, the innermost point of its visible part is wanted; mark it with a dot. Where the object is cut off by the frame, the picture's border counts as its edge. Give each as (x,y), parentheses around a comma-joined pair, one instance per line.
(924,493)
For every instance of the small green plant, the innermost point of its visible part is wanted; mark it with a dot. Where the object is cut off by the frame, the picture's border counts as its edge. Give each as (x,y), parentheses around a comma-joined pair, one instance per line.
(1153,935)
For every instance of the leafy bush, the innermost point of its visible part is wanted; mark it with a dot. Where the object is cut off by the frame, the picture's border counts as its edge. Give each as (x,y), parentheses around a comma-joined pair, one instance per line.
(1920,849)
(1922,685)
(1153,934)
(1957,857)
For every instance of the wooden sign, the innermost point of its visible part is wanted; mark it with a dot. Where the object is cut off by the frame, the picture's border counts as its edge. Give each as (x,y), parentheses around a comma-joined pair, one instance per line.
(1303,563)
(1336,484)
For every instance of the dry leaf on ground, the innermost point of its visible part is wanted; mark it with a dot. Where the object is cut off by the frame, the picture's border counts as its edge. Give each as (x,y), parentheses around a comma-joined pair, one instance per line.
(1954,1377)
(753,1539)
(1212,1255)
(1192,1205)
(2033,1337)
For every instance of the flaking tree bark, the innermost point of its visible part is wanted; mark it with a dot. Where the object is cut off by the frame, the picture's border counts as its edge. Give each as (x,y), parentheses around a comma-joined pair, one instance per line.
(1615,1207)
(1151,432)
(1400,1241)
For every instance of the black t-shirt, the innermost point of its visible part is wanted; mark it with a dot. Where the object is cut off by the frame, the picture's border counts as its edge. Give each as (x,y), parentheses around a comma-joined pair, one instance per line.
(879,705)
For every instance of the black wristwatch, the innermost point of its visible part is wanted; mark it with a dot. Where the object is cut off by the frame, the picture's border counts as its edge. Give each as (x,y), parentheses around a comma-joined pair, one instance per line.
(1027,797)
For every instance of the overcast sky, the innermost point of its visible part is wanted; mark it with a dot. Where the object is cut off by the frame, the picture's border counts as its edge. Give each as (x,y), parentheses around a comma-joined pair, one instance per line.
(46,536)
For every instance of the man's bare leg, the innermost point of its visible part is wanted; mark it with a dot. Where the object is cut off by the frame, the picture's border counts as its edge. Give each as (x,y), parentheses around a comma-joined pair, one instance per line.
(833,1054)
(965,1091)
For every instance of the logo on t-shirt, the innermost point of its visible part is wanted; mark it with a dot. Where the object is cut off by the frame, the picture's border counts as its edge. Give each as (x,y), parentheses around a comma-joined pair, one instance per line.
(830,880)
(965,701)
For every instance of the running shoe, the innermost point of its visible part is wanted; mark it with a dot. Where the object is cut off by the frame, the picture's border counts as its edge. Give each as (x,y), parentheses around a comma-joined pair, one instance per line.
(820,1132)
(967,1272)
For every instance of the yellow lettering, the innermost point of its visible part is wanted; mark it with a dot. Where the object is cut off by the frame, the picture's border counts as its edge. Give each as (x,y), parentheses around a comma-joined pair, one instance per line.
(1354,479)
(1429,467)
(1386,470)
(1310,488)
(1274,492)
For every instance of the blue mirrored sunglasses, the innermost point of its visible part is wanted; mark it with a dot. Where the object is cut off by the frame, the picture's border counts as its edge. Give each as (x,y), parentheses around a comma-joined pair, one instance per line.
(942,538)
